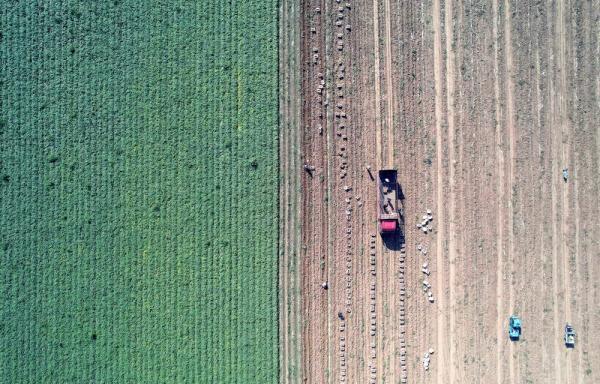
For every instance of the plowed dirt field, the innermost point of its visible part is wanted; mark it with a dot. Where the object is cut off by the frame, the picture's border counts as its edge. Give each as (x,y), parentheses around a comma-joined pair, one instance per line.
(480,105)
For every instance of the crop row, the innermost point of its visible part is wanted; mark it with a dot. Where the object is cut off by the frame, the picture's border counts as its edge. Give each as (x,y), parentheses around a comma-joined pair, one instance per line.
(138,149)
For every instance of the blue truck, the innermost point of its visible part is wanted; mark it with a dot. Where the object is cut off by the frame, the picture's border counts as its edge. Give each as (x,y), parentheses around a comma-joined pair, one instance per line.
(514,328)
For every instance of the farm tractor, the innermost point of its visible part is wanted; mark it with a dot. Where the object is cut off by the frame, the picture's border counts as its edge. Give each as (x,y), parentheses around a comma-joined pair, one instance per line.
(388,218)
(514,328)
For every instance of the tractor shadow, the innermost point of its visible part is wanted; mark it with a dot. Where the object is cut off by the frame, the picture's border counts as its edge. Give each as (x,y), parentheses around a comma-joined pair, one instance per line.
(400,192)
(394,242)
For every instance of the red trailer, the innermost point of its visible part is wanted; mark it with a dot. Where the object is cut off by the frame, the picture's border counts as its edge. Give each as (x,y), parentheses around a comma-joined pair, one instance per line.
(387,202)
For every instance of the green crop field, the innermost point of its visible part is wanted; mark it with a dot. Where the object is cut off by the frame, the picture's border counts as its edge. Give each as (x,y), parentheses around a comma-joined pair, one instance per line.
(138,191)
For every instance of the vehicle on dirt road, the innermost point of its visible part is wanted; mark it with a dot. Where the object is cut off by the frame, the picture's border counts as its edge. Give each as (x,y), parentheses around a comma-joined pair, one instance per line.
(514,328)
(388,220)
(569,336)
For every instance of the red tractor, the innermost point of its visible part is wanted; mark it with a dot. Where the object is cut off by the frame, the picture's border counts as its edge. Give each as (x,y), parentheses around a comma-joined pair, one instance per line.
(387,202)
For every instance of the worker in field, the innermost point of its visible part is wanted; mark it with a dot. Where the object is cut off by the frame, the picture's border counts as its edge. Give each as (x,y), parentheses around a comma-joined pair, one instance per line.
(309,168)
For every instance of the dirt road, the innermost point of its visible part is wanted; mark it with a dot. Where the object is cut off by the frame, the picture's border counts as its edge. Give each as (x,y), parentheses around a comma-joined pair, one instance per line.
(480,105)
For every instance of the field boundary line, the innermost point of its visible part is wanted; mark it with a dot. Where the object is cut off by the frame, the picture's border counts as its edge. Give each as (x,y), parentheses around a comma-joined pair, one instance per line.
(283,262)
(290,137)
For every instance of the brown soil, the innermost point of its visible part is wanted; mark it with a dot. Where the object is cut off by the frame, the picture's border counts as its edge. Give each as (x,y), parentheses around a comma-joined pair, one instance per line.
(479,105)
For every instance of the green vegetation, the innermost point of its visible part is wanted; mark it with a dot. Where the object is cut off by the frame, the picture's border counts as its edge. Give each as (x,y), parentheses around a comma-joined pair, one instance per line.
(138,181)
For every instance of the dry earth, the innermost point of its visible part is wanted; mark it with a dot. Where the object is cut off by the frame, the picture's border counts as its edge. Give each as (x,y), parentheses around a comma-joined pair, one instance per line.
(479,105)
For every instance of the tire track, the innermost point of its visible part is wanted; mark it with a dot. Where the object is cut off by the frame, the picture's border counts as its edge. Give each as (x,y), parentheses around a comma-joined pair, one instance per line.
(510,121)
(330,197)
(389,86)
(442,361)
(383,161)
(578,265)
(591,247)
(578,262)
(541,206)
(377,84)
(500,223)
(452,239)
(557,365)
(379,162)
(558,375)
(284,256)
(385,256)
(564,156)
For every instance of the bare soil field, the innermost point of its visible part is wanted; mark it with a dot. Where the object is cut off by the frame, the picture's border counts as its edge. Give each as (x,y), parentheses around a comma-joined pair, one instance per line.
(479,105)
